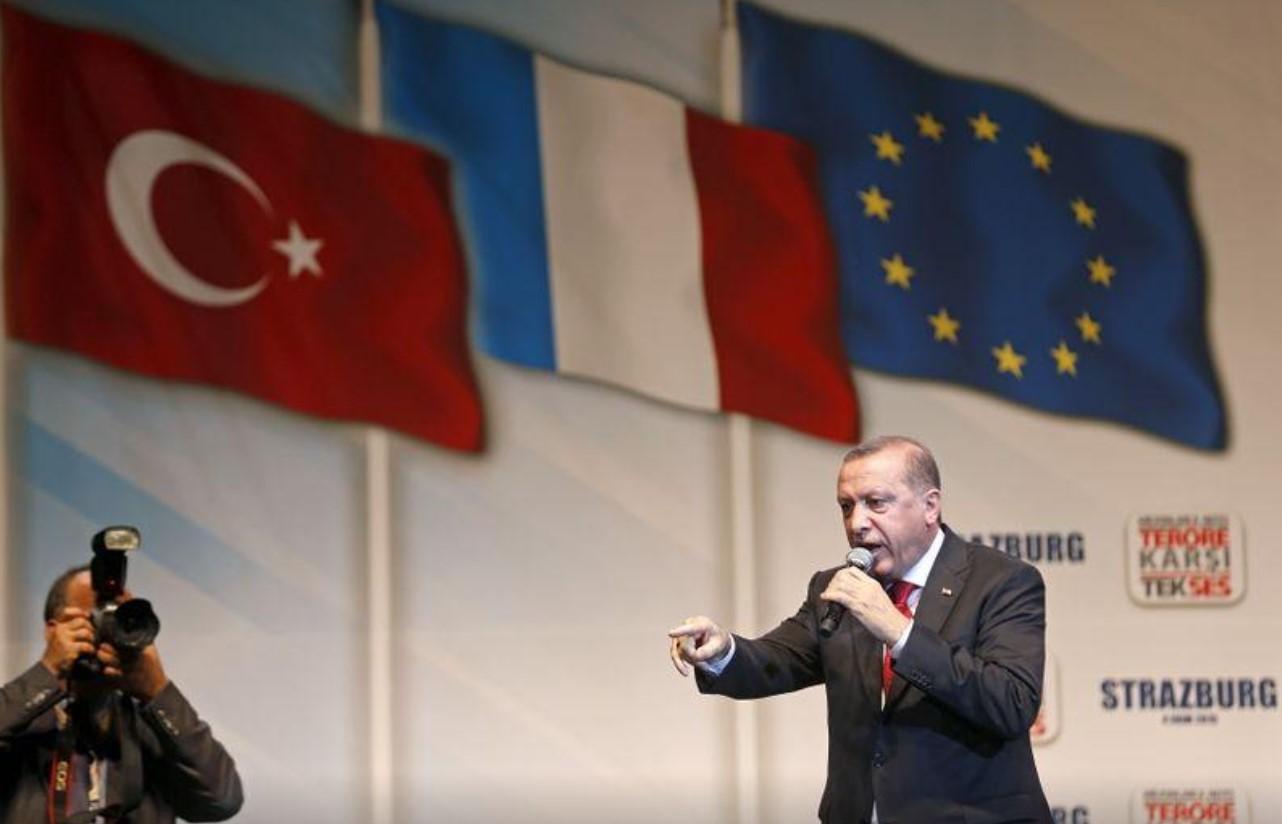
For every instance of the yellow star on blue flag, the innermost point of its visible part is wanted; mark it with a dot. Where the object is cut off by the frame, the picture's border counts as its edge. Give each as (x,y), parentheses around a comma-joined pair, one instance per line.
(1067,252)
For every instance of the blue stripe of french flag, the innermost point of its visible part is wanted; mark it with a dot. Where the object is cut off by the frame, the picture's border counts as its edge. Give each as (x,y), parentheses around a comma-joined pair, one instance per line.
(620,236)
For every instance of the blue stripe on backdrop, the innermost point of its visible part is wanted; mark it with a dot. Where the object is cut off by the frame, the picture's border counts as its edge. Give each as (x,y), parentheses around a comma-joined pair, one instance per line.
(52,466)
(472,96)
(302,48)
(251,522)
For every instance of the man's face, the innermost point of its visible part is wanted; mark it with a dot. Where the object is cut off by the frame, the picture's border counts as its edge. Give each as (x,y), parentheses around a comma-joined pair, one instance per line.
(79,594)
(883,514)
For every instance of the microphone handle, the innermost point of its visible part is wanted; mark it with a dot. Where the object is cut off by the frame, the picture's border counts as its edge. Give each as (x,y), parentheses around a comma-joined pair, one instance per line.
(861,559)
(832,617)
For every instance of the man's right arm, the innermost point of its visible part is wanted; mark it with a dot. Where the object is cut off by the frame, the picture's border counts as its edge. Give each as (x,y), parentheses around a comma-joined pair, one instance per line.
(783,660)
(30,695)
(24,699)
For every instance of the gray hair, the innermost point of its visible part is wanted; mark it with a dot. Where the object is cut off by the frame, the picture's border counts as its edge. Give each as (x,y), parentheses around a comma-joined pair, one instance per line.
(921,473)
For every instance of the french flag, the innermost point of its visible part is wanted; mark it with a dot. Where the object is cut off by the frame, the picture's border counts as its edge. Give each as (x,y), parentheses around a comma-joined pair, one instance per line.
(620,236)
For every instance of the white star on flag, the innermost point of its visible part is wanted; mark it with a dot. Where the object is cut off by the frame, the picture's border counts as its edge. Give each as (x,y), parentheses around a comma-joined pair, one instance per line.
(301,251)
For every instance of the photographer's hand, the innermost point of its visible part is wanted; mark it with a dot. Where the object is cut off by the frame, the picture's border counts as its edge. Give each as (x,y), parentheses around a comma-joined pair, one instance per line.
(67,637)
(143,677)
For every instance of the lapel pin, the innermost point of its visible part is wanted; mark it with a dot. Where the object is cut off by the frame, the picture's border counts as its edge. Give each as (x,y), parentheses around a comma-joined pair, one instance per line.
(946,592)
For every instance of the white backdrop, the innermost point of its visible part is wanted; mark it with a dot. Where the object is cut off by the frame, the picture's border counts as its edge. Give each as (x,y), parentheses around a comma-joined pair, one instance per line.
(534,582)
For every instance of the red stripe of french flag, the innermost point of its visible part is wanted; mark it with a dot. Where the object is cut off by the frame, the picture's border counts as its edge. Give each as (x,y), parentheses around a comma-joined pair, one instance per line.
(770,278)
(688,257)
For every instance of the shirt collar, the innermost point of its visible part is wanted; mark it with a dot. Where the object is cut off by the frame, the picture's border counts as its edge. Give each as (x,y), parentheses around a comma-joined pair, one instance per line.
(921,570)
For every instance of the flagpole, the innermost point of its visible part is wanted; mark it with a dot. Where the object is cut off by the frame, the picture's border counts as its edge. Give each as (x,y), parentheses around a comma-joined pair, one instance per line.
(378,543)
(8,644)
(742,528)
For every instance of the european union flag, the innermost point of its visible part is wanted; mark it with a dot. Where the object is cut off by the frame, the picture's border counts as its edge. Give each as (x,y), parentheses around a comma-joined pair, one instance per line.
(986,238)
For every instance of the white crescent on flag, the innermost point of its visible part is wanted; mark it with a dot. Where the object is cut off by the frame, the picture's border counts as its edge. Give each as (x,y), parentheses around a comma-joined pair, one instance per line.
(131,172)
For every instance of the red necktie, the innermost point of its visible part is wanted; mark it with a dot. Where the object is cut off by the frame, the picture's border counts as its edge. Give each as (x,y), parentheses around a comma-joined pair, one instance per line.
(899,592)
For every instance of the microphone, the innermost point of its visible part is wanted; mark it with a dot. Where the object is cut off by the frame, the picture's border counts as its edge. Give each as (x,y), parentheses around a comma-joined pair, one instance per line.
(860,559)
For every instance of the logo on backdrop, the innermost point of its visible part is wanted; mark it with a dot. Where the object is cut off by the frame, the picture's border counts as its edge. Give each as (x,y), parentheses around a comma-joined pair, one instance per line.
(1189,701)
(1186,560)
(1037,548)
(1221,805)
(1046,725)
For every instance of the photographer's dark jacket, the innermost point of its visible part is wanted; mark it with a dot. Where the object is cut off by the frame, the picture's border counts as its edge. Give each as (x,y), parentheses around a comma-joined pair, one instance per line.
(184,771)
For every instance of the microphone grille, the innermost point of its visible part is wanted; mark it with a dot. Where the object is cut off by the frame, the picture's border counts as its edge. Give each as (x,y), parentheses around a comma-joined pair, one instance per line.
(859,558)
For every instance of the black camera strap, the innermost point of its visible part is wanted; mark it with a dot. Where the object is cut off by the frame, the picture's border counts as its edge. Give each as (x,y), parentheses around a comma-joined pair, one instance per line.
(87,787)
(69,771)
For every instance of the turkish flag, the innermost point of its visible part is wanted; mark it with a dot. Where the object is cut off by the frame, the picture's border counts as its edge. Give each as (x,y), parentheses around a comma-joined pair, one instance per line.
(184,228)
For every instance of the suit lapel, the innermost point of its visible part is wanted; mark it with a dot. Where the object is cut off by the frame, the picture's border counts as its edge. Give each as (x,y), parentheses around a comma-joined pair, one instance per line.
(943,589)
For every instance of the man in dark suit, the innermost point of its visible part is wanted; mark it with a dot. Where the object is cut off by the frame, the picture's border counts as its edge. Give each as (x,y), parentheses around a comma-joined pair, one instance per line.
(931,686)
(124,745)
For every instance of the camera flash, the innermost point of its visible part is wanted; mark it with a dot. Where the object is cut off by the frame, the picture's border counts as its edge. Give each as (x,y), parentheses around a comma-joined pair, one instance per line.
(121,538)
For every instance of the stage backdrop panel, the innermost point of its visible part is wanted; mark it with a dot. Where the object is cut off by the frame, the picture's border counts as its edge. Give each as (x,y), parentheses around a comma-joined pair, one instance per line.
(533,582)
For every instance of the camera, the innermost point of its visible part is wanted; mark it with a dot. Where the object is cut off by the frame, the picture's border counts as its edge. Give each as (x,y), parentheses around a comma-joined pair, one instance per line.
(130,626)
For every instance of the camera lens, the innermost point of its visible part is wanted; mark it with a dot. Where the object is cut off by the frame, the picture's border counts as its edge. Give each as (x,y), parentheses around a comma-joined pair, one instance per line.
(131,626)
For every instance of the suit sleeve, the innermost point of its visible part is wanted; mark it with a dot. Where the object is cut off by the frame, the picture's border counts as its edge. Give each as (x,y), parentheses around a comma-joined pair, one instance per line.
(200,778)
(783,660)
(24,699)
(996,683)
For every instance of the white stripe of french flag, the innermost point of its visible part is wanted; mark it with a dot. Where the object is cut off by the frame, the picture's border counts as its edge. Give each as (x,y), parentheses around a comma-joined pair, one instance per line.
(688,257)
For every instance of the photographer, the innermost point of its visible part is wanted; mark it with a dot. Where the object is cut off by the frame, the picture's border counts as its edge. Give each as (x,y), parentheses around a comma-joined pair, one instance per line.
(93,734)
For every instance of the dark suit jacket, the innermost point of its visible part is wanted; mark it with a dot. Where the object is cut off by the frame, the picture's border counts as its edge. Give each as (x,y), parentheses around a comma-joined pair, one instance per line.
(952,743)
(184,770)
